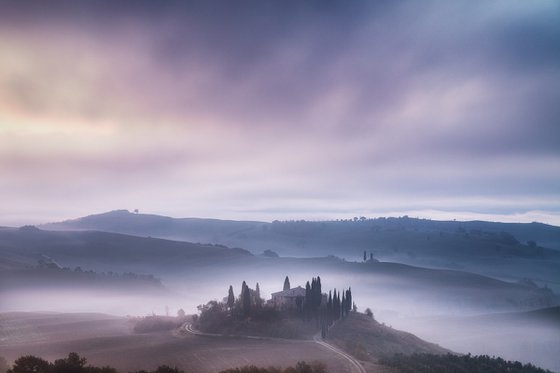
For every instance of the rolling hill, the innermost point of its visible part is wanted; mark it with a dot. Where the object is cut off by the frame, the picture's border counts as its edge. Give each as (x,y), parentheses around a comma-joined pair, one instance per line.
(179,264)
(502,250)
(109,340)
(215,230)
(106,251)
(367,339)
(195,273)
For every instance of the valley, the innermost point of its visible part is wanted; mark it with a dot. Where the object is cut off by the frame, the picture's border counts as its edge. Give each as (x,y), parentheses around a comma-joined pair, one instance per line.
(79,270)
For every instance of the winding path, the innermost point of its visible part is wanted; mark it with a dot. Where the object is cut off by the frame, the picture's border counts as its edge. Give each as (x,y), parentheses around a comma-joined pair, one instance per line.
(355,363)
(356,366)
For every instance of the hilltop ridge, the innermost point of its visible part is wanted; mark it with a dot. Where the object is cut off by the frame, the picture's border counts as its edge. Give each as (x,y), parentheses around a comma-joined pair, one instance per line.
(512,251)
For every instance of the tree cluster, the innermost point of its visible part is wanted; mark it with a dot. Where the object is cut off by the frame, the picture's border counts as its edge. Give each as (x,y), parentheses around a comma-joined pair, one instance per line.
(213,316)
(248,301)
(325,310)
(313,306)
(155,323)
(232,314)
(313,298)
(51,271)
(338,308)
(339,304)
(457,364)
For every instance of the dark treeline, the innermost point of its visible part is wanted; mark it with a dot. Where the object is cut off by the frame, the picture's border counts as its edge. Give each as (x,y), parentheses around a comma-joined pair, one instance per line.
(326,310)
(313,298)
(89,274)
(74,363)
(248,304)
(231,314)
(427,363)
(46,272)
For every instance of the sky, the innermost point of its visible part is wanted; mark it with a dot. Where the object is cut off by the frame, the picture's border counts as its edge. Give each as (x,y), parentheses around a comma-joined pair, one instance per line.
(266,110)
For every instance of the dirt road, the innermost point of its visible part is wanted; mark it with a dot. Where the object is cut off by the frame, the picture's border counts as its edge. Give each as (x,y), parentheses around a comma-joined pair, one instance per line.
(356,367)
(106,340)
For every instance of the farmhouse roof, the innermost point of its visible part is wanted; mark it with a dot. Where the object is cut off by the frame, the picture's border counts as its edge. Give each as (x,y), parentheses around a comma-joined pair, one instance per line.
(294,292)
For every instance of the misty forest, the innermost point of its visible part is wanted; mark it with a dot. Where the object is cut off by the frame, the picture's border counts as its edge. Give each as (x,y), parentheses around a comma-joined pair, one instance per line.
(260,186)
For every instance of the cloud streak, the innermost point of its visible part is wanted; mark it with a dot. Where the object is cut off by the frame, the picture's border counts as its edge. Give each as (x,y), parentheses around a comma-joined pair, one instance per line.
(252,109)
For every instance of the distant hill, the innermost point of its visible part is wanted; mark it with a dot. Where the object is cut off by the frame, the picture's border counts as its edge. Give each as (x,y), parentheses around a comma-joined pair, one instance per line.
(22,247)
(181,264)
(214,230)
(183,229)
(511,251)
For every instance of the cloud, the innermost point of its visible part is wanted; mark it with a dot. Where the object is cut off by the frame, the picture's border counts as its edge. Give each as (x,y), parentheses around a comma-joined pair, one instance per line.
(319,106)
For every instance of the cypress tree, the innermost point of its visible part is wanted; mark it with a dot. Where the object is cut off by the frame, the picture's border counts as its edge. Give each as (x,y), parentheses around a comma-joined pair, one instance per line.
(258,299)
(319,293)
(307,300)
(329,308)
(242,297)
(348,300)
(245,299)
(336,305)
(286,284)
(313,294)
(231,298)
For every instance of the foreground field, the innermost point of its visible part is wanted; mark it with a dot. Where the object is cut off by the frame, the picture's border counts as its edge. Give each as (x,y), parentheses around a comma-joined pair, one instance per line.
(107,340)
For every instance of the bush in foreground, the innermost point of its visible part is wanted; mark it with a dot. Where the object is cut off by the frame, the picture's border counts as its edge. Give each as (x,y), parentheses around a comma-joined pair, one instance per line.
(74,363)
(162,369)
(301,367)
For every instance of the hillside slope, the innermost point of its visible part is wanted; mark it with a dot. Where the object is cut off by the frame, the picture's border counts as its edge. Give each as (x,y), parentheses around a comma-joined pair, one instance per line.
(530,337)
(184,229)
(502,250)
(401,287)
(20,247)
(367,339)
(107,340)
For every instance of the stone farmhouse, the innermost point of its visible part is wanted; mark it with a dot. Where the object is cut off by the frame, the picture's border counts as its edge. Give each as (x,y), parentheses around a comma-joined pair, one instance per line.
(288,299)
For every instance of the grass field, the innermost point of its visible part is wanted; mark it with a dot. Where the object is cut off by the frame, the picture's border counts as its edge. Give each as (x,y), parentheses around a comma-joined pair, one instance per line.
(107,340)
